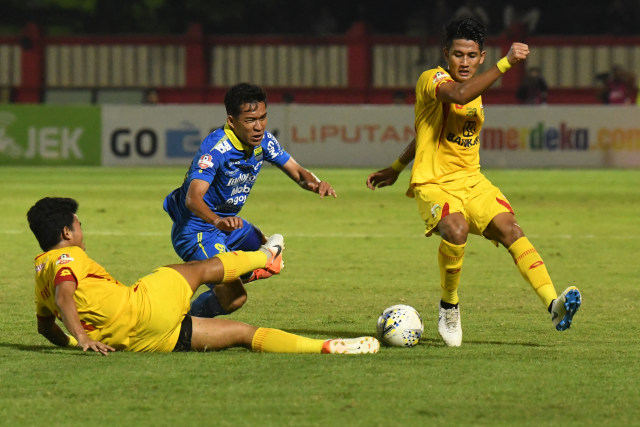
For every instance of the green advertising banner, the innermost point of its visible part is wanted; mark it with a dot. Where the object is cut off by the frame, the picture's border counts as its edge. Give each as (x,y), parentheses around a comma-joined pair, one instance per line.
(50,135)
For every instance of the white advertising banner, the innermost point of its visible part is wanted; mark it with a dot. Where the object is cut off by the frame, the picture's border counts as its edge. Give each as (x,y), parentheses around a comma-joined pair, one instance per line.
(158,134)
(373,136)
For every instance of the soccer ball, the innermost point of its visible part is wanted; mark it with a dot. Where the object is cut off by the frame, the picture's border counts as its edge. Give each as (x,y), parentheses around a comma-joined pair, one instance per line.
(400,326)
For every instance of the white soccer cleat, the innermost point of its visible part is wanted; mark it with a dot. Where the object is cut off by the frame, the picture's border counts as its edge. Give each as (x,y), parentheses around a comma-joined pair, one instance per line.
(450,327)
(360,345)
(565,307)
(273,248)
(273,241)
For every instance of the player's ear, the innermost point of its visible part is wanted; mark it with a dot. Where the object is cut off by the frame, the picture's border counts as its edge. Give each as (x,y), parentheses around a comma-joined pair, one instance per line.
(66,233)
(483,54)
(230,122)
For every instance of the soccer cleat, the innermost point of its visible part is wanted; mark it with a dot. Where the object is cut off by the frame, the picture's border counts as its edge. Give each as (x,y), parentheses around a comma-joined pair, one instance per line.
(258,274)
(450,327)
(274,247)
(565,307)
(360,345)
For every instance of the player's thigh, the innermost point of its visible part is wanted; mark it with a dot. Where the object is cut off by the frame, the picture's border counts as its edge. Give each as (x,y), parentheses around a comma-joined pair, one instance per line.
(207,244)
(164,296)
(485,202)
(217,334)
(436,202)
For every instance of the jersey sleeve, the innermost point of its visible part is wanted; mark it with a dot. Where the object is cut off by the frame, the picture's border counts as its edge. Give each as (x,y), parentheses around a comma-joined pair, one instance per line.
(70,267)
(274,153)
(208,160)
(430,82)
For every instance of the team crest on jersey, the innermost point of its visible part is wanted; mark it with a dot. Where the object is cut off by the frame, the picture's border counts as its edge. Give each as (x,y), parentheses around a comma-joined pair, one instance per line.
(64,259)
(439,76)
(205,161)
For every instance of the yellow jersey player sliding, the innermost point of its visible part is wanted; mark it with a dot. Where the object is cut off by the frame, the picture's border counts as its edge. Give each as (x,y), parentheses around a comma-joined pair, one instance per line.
(104,315)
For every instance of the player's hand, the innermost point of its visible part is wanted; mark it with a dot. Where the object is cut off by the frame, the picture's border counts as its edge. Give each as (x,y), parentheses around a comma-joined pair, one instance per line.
(228,223)
(382,178)
(517,52)
(323,188)
(96,346)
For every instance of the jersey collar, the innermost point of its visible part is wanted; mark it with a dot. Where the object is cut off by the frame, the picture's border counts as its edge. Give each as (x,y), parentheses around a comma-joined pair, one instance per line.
(235,141)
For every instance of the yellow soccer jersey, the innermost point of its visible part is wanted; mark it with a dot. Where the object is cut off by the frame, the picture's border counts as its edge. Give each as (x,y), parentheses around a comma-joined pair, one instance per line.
(100,299)
(447,135)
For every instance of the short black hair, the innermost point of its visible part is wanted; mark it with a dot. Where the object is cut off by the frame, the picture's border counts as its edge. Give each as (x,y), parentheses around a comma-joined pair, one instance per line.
(465,29)
(48,217)
(243,93)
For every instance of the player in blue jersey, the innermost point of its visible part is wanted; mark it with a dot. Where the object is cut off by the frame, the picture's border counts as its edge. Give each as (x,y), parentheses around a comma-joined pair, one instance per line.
(204,208)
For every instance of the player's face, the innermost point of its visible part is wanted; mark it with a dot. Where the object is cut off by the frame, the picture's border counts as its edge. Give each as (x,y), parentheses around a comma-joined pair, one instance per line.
(464,57)
(250,125)
(76,235)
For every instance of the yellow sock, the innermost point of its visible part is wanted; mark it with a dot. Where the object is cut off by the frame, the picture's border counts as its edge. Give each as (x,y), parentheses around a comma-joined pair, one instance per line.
(533,269)
(450,260)
(237,263)
(269,340)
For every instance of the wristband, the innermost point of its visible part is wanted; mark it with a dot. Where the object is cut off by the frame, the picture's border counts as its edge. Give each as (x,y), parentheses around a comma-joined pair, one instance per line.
(72,341)
(397,165)
(503,65)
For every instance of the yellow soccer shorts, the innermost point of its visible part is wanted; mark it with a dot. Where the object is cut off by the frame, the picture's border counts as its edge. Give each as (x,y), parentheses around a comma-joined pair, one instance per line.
(475,197)
(163,301)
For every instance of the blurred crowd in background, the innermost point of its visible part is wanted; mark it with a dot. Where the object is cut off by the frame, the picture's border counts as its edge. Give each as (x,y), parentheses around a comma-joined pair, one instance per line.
(312,17)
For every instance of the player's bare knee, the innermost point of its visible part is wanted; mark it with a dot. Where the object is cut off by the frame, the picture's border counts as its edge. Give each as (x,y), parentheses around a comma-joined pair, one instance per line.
(455,232)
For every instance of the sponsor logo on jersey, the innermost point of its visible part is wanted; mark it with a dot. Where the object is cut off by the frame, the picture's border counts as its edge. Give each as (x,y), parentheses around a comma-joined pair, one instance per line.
(223,146)
(205,161)
(241,179)
(463,142)
(64,259)
(469,128)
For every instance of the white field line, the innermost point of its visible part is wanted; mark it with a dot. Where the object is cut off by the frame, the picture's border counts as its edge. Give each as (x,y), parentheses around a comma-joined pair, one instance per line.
(335,235)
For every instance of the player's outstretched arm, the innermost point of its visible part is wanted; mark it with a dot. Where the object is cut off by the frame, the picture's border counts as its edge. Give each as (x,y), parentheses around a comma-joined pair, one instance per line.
(307,180)
(71,320)
(465,92)
(388,176)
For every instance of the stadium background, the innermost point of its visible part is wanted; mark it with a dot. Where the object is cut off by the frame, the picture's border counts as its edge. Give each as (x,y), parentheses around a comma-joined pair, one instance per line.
(90,55)
(74,79)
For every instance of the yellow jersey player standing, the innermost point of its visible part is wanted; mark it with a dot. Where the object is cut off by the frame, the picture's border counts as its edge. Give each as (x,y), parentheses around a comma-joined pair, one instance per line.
(454,198)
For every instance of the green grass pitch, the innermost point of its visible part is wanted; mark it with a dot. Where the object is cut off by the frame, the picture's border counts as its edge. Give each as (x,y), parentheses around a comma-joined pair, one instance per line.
(346,260)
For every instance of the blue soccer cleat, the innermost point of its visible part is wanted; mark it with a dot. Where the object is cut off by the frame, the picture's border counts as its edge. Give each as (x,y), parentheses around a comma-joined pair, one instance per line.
(565,307)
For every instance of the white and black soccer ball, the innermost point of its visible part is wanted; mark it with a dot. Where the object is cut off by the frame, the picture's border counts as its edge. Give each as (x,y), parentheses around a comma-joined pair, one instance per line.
(400,326)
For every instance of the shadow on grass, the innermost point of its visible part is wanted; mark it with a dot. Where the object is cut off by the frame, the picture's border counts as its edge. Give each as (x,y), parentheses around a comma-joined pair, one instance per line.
(43,349)
(427,341)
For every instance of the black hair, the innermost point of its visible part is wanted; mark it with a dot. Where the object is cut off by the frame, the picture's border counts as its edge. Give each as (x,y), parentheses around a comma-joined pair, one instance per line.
(48,217)
(465,29)
(243,93)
